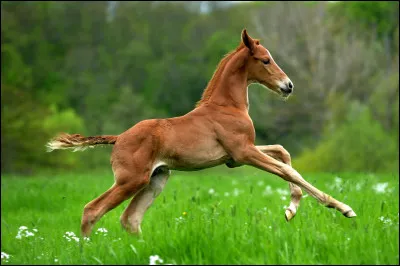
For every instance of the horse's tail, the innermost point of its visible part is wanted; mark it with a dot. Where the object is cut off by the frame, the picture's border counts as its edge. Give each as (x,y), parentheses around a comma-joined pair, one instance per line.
(78,142)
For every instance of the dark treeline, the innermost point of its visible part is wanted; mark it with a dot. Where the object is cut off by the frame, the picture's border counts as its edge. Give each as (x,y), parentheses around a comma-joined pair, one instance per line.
(100,67)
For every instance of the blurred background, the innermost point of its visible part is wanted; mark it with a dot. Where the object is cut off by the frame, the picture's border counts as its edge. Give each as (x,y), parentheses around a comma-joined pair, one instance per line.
(100,67)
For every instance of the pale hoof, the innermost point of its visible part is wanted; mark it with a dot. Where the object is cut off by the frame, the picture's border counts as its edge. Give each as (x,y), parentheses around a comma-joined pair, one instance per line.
(350,214)
(289,215)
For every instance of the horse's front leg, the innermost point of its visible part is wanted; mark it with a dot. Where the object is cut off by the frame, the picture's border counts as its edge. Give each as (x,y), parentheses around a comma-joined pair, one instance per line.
(281,154)
(250,155)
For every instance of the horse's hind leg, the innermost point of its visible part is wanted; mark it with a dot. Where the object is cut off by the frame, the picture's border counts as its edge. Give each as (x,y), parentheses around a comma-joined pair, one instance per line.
(279,153)
(114,196)
(133,214)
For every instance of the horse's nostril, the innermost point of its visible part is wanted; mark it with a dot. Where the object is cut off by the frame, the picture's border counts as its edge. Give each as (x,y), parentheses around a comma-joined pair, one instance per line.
(290,85)
(286,90)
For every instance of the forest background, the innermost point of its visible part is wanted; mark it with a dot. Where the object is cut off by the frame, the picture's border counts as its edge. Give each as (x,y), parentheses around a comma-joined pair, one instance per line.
(100,67)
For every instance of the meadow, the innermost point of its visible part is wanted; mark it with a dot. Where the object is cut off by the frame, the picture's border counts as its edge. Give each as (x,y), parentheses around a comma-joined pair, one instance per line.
(214,216)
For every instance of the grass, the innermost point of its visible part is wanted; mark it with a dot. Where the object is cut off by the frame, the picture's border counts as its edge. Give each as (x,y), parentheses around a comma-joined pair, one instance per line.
(240,223)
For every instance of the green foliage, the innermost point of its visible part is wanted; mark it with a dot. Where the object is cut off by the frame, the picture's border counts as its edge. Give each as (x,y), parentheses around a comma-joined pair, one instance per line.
(384,101)
(13,69)
(359,144)
(22,133)
(129,110)
(58,122)
(380,16)
(62,121)
(107,67)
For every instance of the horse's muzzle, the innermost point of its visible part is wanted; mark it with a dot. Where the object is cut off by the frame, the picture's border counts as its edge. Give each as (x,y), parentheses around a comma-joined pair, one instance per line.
(287,88)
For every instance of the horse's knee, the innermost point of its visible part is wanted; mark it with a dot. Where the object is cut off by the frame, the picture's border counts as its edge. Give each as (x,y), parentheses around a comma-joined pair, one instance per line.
(89,215)
(285,155)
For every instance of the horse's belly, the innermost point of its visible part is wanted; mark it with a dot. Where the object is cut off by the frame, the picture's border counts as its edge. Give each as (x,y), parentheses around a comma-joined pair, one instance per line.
(196,157)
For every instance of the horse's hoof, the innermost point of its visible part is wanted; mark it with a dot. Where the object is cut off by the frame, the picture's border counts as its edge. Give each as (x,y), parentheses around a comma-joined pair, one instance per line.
(288,215)
(350,214)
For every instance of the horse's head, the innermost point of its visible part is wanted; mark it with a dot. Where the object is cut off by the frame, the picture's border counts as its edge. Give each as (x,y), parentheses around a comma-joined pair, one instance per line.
(263,69)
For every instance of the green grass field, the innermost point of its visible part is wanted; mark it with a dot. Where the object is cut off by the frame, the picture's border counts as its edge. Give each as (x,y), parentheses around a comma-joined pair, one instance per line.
(231,217)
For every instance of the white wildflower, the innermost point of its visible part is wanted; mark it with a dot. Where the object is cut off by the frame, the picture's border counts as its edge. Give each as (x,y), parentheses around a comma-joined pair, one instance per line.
(386,221)
(55,260)
(267,191)
(211,191)
(282,192)
(236,192)
(23,232)
(338,180)
(70,236)
(34,229)
(260,183)
(358,186)
(5,256)
(337,183)
(27,234)
(380,187)
(283,198)
(70,233)
(154,259)
(226,194)
(179,220)
(103,230)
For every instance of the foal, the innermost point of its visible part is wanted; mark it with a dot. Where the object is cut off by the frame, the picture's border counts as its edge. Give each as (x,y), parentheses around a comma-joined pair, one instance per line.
(218,131)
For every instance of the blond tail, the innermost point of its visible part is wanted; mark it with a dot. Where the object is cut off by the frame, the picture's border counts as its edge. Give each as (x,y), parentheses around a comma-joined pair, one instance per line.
(78,142)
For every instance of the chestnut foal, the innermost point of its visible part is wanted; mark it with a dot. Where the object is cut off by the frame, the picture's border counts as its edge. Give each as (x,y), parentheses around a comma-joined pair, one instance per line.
(218,131)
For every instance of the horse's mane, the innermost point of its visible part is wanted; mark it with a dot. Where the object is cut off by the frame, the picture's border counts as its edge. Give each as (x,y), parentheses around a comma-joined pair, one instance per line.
(217,75)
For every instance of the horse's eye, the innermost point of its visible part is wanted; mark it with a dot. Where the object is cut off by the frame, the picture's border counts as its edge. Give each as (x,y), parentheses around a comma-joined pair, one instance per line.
(266,61)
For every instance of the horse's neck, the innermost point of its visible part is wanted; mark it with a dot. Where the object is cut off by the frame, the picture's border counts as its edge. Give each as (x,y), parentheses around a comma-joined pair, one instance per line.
(231,89)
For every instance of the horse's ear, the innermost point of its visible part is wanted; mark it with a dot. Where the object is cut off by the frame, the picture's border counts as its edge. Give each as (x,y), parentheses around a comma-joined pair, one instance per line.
(247,40)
